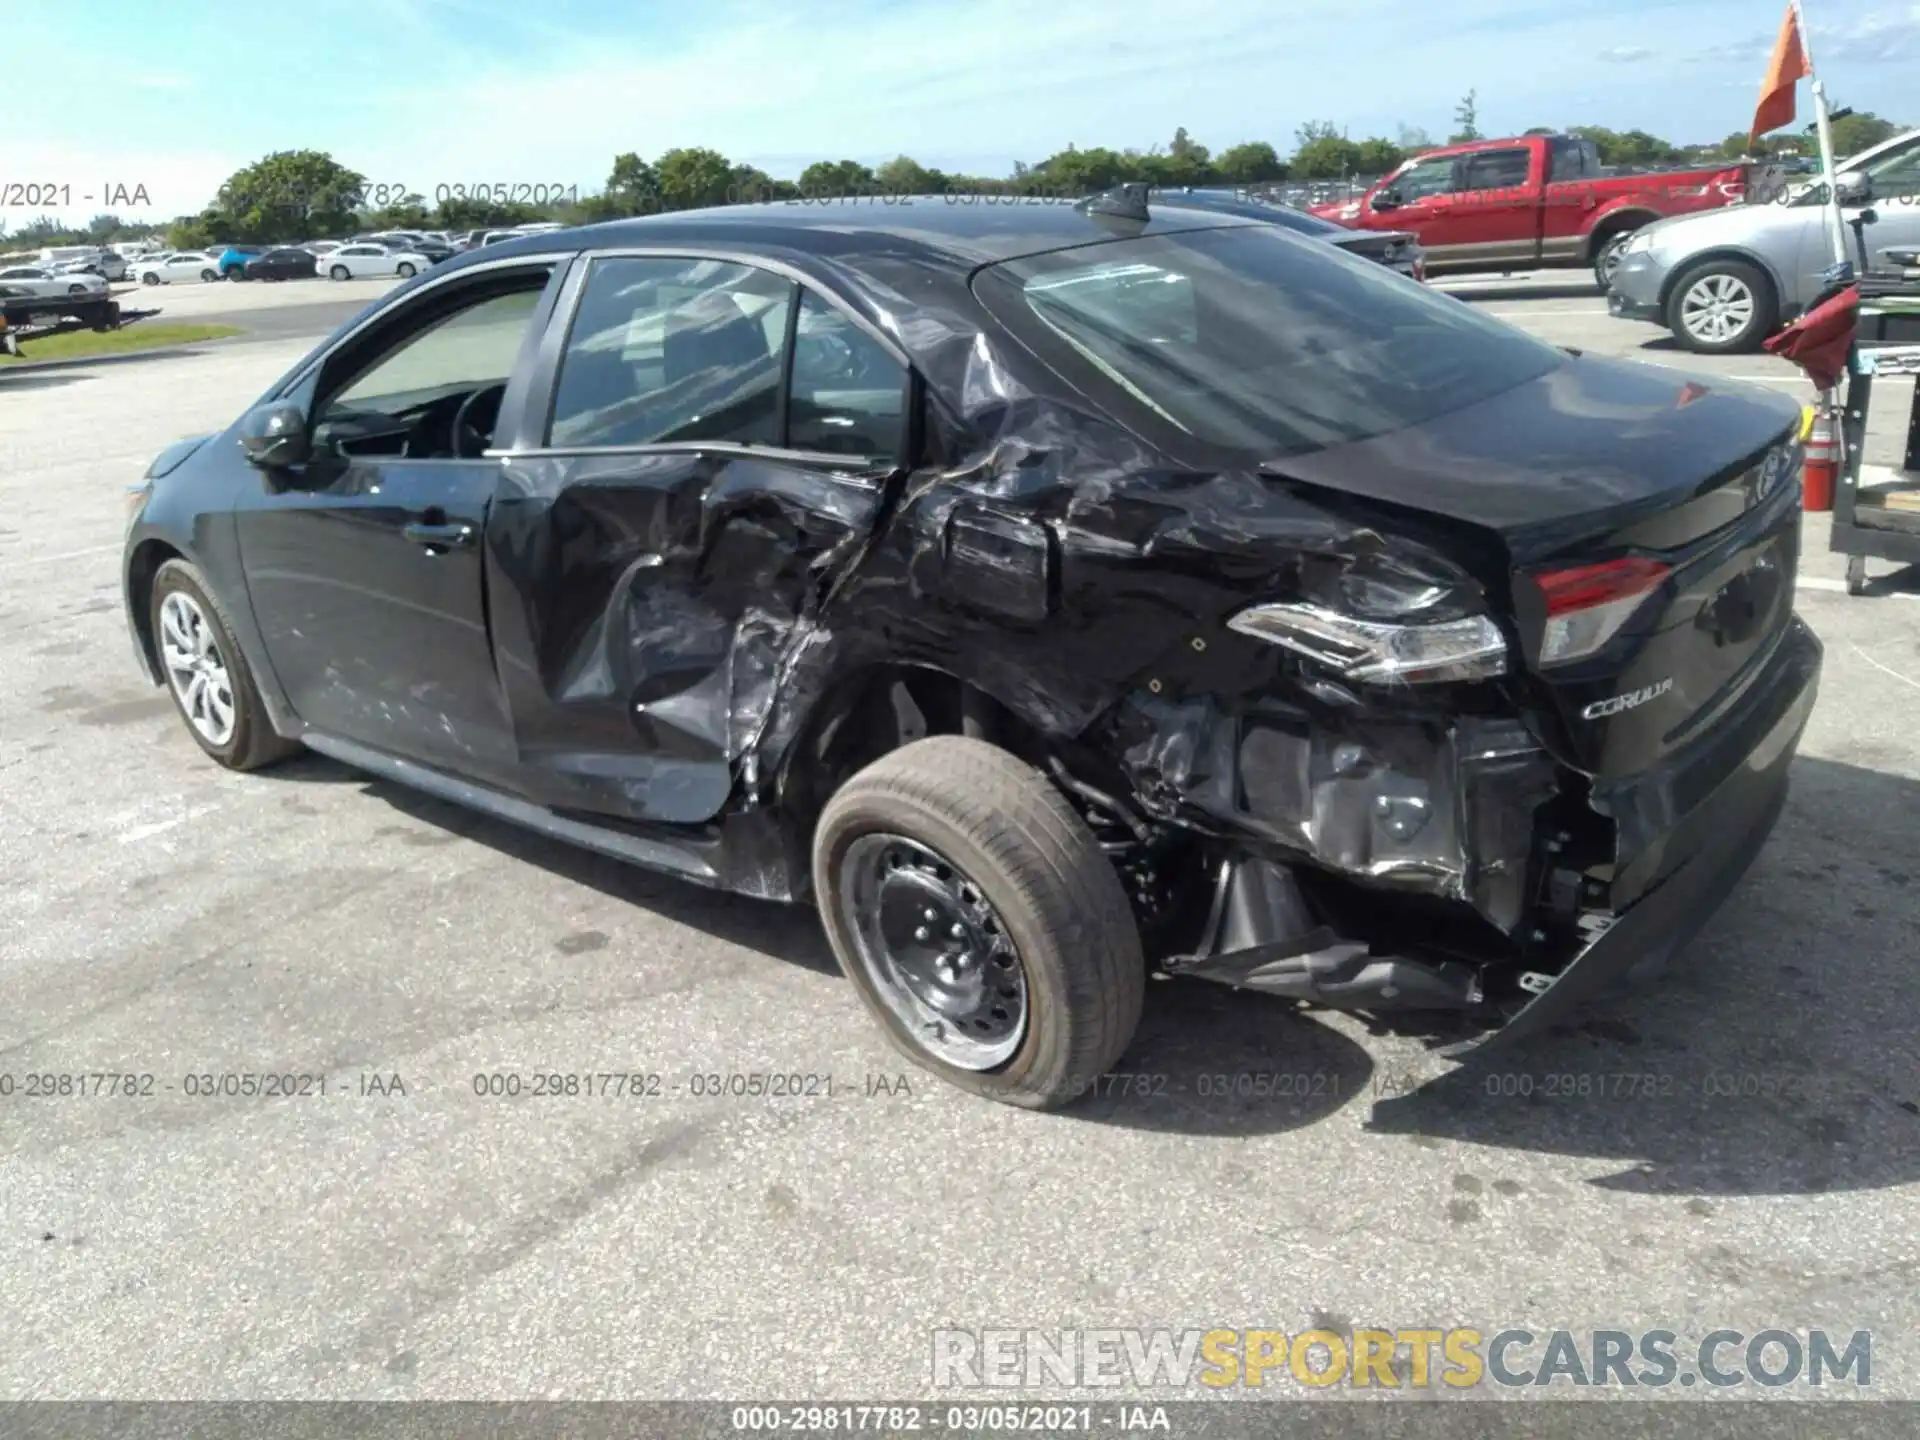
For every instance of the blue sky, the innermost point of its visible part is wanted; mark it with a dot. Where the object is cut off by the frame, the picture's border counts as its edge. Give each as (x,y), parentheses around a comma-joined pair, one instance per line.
(176,94)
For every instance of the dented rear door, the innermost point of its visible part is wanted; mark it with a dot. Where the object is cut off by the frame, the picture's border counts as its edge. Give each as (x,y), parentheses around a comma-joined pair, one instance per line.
(717,443)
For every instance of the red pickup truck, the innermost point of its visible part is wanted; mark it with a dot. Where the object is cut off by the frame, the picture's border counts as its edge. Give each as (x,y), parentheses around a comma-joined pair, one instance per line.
(1532,203)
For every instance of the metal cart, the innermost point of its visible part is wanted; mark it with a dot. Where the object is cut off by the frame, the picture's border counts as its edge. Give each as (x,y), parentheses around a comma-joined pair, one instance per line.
(1876,513)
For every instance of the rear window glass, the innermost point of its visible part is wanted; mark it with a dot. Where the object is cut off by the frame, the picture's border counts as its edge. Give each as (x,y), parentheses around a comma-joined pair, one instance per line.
(1256,341)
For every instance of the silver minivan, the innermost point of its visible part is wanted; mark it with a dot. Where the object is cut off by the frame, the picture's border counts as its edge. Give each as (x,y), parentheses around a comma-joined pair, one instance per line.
(1724,280)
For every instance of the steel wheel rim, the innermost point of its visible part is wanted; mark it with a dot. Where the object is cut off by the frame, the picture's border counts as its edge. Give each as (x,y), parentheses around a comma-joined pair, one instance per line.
(1717,307)
(196,670)
(934,950)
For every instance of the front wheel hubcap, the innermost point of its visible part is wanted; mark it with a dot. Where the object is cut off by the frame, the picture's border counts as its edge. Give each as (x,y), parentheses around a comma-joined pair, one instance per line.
(1716,308)
(934,951)
(196,669)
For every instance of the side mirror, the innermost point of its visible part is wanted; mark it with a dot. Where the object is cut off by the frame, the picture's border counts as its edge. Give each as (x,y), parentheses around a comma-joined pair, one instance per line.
(275,436)
(1386,200)
(1853,187)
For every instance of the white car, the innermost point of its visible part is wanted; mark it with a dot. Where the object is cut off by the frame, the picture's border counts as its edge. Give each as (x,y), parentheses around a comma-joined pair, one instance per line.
(321,248)
(367,261)
(37,280)
(183,267)
(104,263)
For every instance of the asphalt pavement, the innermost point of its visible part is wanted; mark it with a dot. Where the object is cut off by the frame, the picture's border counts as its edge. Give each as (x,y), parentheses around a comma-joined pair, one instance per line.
(407,1234)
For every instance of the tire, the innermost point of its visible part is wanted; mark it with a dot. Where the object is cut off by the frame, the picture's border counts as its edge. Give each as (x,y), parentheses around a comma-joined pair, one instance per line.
(340,272)
(1054,903)
(252,742)
(209,276)
(1739,287)
(404,271)
(1607,259)
(149,279)
(237,274)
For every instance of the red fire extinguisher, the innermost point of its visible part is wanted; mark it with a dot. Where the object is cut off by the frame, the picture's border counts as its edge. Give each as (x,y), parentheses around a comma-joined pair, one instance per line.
(1820,468)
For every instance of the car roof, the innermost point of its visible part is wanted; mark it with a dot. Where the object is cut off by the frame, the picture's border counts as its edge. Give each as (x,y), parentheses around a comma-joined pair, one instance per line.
(968,229)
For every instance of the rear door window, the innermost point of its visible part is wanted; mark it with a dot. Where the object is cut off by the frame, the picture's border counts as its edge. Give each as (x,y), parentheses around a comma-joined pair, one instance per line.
(848,393)
(1496,169)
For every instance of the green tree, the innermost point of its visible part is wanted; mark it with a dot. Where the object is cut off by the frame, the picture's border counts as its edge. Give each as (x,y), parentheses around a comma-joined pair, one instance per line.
(1187,161)
(693,178)
(903,175)
(1466,118)
(1251,163)
(1326,157)
(837,179)
(1412,138)
(633,186)
(1377,156)
(289,195)
(1859,131)
(1541,130)
(1628,147)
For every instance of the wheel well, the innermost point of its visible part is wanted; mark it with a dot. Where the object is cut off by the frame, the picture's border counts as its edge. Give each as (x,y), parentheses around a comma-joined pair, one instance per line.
(1617,223)
(147,559)
(878,710)
(1693,266)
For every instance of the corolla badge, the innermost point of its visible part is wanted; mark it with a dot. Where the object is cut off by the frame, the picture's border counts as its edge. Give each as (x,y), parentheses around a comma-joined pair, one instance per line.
(1632,700)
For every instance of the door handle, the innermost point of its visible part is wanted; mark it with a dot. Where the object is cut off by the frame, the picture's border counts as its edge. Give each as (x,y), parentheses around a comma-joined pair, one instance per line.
(439,537)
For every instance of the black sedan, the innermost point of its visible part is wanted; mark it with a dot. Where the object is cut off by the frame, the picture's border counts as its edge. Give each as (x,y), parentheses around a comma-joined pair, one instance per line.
(284,264)
(1050,594)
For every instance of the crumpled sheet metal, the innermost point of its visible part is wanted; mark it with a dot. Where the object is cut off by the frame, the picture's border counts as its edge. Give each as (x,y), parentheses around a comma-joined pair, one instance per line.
(1039,552)
(1434,805)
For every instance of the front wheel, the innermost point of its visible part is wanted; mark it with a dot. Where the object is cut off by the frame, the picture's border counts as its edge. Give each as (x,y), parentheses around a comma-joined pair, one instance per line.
(1724,307)
(340,272)
(149,279)
(207,674)
(209,276)
(980,921)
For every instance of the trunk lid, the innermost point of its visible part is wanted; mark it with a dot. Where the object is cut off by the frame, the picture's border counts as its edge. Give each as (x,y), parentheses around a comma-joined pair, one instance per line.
(1608,470)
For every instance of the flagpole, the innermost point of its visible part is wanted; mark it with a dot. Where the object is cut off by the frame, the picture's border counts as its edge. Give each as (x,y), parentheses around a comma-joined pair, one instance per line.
(1823,125)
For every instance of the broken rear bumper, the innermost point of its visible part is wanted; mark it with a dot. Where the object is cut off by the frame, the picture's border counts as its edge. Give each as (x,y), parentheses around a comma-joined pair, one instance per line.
(1720,805)
(1719,837)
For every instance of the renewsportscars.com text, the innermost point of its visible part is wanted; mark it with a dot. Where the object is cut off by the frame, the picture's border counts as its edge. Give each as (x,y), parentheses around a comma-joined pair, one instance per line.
(1419,1358)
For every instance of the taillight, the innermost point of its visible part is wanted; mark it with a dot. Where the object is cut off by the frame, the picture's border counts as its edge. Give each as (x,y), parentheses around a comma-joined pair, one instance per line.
(1587,604)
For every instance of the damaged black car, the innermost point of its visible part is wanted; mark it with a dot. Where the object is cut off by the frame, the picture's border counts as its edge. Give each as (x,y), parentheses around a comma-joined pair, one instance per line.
(1052,595)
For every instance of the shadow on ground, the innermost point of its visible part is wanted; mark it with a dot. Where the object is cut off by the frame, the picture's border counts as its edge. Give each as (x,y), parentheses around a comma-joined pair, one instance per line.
(1780,1053)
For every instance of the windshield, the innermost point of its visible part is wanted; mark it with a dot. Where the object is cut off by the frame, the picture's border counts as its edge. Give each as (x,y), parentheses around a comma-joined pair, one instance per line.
(1253,340)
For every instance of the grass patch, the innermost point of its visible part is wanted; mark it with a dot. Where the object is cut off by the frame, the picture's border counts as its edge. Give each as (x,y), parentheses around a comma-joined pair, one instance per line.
(80,343)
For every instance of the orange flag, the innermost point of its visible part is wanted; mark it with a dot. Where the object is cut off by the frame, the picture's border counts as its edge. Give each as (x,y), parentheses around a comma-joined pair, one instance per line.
(1789,65)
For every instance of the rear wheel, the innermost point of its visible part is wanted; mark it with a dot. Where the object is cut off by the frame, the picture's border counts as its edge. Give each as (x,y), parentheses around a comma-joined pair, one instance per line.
(149,278)
(209,276)
(405,271)
(207,674)
(1607,260)
(980,921)
(340,272)
(1724,307)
